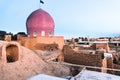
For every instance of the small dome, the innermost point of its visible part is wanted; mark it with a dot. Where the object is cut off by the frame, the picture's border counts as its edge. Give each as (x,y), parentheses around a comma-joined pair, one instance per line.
(40,23)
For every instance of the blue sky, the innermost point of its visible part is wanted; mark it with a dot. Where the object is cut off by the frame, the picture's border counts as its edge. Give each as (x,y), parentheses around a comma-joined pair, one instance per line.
(73,18)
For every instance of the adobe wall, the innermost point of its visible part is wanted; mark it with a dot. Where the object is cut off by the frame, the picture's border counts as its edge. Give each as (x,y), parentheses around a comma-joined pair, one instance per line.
(96,60)
(30,42)
(109,65)
(22,40)
(103,45)
(92,47)
(86,48)
(49,47)
(73,57)
(104,65)
(116,66)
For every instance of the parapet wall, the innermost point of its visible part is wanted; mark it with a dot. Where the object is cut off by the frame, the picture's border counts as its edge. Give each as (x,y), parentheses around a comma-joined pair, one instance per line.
(30,42)
(49,47)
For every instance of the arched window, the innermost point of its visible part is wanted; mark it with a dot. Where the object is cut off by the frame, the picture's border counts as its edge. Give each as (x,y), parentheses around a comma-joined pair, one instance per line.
(34,33)
(43,33)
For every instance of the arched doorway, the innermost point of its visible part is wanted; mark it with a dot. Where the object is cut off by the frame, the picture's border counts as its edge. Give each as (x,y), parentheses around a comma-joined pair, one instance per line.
(12,53)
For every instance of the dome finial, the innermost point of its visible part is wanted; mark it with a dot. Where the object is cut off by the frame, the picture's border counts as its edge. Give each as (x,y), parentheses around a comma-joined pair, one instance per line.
(41,2)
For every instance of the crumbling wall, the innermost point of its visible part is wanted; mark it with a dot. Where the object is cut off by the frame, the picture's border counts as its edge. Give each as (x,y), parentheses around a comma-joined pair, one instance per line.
(103,45)
(116,58)
(104,65)
(91,47)
(81,58)
(116,66)
(109,65)
(114,63)
(85,48)
(97,60)
(50,55)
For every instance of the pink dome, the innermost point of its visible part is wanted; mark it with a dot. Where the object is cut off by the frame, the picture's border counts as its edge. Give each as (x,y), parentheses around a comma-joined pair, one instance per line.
(40,23)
